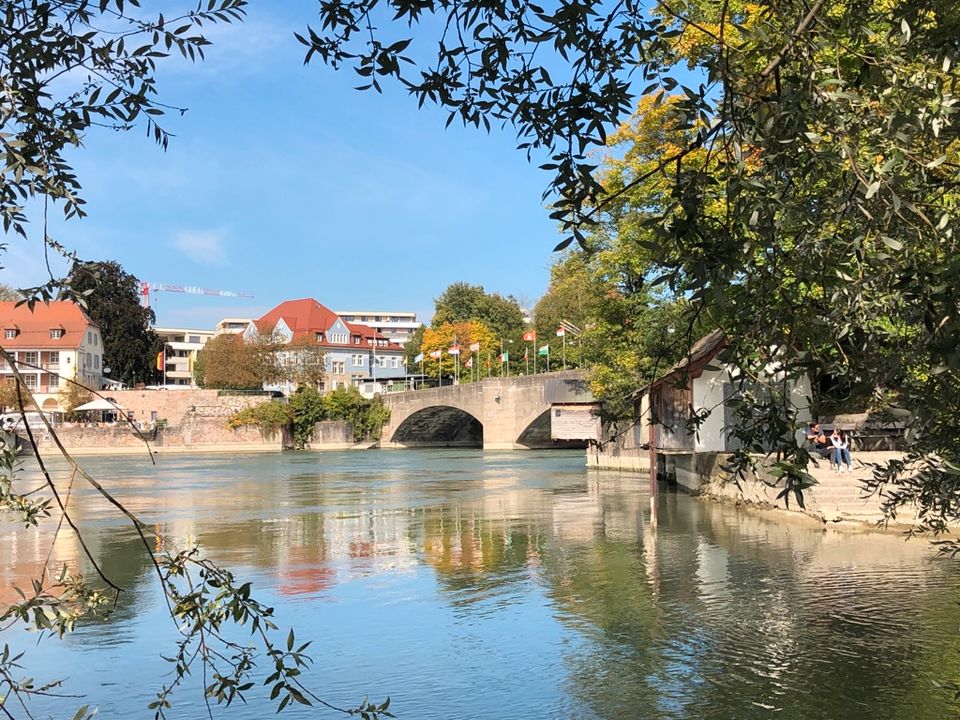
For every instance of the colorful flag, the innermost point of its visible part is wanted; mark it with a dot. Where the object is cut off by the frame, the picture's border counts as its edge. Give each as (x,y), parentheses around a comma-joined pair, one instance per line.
(418,358)
(526,354)
(504,357)
(160,359)
(454,350)
(436,354)
(530,336)
(561,331)
(545,350)
(469,363)
(475,347)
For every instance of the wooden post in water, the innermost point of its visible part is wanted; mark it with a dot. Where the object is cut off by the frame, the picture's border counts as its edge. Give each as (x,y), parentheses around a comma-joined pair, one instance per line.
(653,469)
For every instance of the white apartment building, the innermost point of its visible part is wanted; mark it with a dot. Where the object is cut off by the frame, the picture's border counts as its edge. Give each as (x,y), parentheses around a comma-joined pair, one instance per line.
(52,344)
(396,325)
(232,326)
(181,346)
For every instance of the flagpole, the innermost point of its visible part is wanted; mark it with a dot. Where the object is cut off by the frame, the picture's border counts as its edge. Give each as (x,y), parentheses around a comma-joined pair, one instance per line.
(564,349)
(534,352)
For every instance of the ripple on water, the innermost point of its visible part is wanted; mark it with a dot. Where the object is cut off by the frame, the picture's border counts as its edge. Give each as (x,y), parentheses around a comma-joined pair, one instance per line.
(515,585)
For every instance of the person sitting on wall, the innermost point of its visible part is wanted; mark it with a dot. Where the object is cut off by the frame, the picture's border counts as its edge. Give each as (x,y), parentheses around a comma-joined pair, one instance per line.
(841,451)
(821,445)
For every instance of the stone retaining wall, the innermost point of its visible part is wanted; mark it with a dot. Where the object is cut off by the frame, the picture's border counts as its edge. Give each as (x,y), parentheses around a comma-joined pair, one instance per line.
(195,433)
(835,497)
(173,405)
(332,435)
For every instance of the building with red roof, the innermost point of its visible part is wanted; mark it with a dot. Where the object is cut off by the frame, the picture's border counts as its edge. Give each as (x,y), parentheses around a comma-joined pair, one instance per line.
(52,344)
(354,354)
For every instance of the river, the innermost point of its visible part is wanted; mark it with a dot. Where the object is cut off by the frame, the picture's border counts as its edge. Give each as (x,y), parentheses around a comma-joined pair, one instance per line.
(479,585)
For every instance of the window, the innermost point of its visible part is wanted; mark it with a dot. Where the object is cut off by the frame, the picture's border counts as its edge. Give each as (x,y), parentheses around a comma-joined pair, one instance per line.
(53,382)
(10,333)
(339,338)
(356,339)
(381,361)
(55,358)
(358,360)
(89,338)
(195,339)
(30,381)
(394,362)
(337,368)
(30,358)
(96,362)
(318,336)
(56,333)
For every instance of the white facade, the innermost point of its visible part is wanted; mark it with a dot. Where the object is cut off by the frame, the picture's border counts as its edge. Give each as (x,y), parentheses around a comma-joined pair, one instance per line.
(713,387)
(232,326)
(398,326)
(181,347)
(51,349)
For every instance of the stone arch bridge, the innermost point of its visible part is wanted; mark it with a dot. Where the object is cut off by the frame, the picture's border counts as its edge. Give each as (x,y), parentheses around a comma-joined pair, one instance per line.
(529,411)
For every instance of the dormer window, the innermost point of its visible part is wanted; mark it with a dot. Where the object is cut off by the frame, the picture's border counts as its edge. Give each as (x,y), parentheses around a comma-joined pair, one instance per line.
(318,336)
(56,333)
(356,339)
(10,333)
(339,338)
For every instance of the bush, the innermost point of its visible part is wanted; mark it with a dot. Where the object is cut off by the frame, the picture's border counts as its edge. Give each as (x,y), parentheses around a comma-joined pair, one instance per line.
(270,416)
(307,408)
(367,416)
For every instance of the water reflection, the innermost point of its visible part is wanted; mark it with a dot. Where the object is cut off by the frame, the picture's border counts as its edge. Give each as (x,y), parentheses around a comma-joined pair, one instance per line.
(520,584)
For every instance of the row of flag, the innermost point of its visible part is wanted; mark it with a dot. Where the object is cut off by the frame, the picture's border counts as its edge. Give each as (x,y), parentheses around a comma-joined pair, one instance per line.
(453,350)
(531,336)
(503,357)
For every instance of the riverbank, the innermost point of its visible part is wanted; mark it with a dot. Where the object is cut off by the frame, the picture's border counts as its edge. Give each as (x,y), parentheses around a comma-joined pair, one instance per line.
(836,498)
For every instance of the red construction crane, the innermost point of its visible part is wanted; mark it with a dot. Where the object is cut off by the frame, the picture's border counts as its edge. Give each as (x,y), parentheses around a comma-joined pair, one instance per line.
(147,287)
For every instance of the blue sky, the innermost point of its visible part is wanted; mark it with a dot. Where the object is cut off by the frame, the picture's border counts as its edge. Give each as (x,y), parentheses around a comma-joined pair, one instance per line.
(284,182)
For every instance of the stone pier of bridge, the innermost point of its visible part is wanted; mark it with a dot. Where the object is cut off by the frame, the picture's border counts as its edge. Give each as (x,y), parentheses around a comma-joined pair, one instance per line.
(495,413)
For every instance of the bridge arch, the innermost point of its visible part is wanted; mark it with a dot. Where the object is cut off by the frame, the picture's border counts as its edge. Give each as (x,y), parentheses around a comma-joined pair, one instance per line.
(536,429)
(439,426)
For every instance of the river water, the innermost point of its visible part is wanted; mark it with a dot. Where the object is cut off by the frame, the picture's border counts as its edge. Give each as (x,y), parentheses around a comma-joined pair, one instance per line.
(507,585)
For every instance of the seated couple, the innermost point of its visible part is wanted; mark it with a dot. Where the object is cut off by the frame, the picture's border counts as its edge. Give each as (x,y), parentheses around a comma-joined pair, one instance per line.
(835,446)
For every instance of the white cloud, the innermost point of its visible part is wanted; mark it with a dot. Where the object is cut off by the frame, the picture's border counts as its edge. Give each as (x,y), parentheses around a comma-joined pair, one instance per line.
(205,247)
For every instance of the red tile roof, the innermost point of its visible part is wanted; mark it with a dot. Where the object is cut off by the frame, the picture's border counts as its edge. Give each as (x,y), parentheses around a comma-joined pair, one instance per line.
(301,316)
(34,327)
(306,317)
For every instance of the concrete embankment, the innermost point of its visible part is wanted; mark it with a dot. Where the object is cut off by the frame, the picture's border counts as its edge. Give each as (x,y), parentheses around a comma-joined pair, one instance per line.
(835,498)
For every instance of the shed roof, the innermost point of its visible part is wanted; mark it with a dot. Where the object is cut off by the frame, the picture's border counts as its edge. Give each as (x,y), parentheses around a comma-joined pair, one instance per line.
(701,352)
